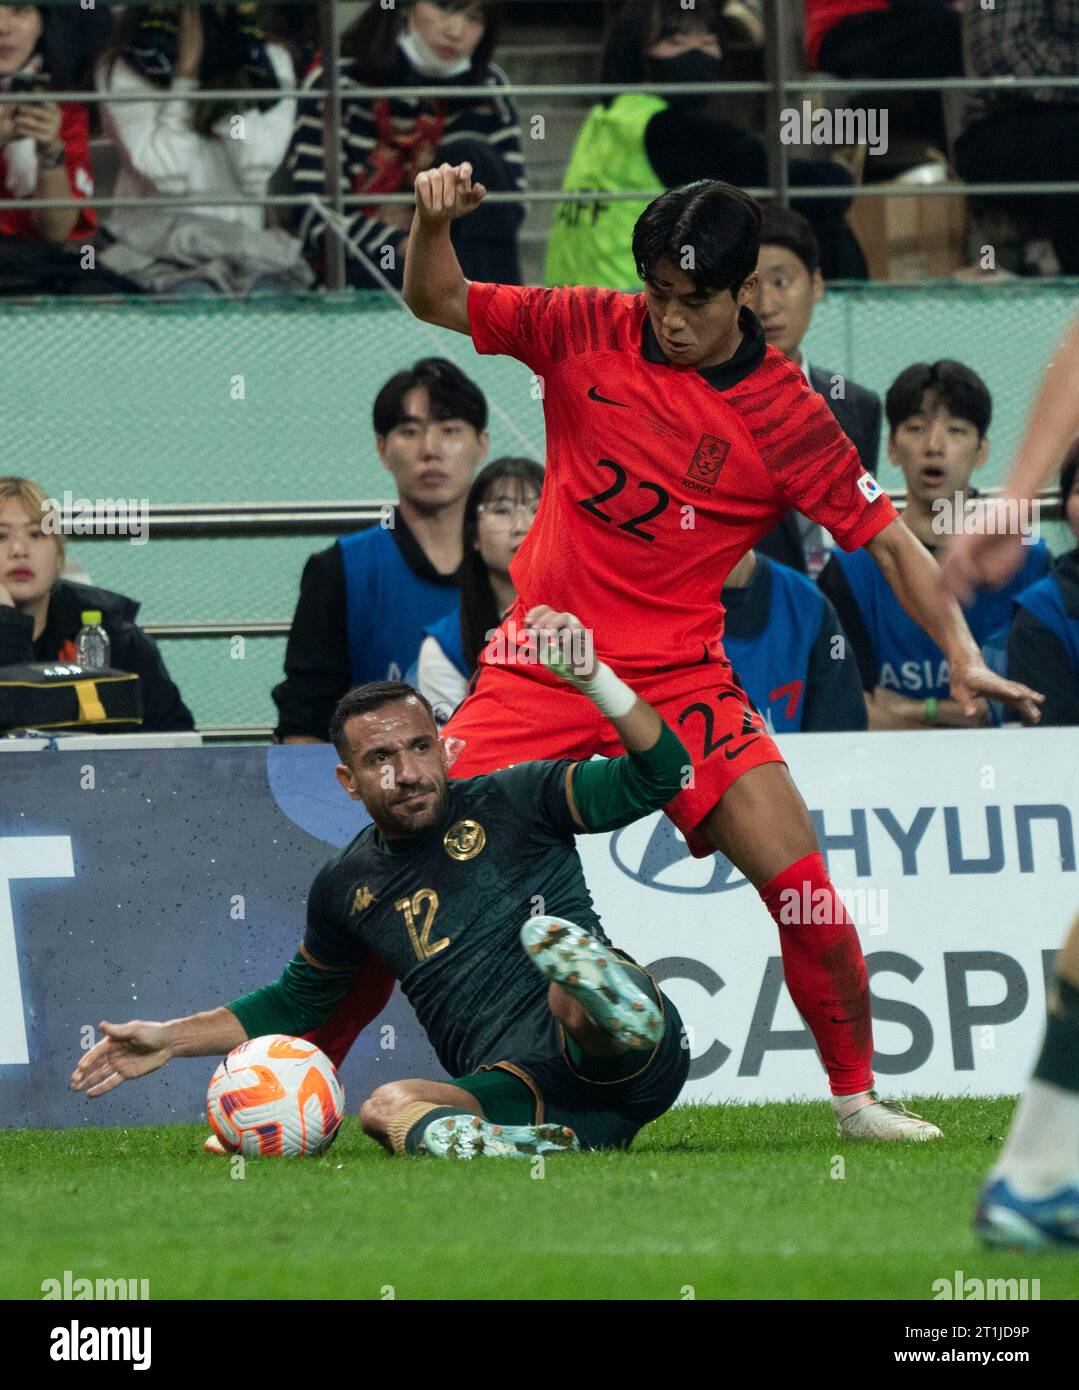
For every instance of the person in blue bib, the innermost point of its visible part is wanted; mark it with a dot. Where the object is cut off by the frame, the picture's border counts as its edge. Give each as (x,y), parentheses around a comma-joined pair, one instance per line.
(938,421)
(502,504)
(366,601)
(1044,635)
(788,648)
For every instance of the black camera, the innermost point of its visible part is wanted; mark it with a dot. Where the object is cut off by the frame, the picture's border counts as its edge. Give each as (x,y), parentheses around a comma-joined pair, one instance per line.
(30,82)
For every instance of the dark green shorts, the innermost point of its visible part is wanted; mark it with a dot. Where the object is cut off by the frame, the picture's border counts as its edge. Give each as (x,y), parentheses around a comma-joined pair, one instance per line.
(550,1087)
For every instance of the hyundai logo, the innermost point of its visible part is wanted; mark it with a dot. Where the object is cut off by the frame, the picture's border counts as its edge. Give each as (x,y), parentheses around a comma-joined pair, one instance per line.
(653,852)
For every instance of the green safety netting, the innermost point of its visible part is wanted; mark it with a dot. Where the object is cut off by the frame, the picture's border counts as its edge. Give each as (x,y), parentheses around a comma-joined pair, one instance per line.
(271,401)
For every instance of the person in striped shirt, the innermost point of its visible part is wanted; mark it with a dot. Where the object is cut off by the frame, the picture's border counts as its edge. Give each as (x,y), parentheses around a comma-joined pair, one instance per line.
(386,142)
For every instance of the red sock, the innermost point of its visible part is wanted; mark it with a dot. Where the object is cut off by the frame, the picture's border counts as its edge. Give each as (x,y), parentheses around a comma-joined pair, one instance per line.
(367,996)
(825,970)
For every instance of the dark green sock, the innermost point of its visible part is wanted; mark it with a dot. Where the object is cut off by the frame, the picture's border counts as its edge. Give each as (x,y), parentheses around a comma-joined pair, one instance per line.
(414,1137)
(1059,1060)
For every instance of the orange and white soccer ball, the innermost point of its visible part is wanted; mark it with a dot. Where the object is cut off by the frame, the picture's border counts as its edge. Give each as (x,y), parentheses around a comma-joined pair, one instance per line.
(276,1095)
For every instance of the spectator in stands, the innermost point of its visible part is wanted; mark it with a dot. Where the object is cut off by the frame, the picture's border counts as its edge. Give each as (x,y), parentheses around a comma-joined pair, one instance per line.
(44,147)
(890,39)
(790,286)
(219,149)
(785,642)
(41,613)
(883,38)
(641,141)
(501,506)
(385,143)
(366,601)
(1044,636)
(77,34)
(938,421)
(1032,135)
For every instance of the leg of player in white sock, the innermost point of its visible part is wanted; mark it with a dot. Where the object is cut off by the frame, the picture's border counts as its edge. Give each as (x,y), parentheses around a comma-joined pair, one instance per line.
(1032,1195)
(1042,1148)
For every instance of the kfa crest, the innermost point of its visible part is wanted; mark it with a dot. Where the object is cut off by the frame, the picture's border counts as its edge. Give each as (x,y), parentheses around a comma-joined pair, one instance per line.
(707,461)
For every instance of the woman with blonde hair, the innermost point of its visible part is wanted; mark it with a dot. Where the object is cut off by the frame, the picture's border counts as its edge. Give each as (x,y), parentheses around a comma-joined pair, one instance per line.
(41,613)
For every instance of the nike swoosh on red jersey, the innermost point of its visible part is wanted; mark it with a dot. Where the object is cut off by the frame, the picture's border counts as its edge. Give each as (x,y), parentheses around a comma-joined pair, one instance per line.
(730,753)
(594,395)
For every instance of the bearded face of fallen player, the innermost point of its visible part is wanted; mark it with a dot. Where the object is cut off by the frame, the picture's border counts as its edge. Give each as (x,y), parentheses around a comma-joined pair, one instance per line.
(396,766)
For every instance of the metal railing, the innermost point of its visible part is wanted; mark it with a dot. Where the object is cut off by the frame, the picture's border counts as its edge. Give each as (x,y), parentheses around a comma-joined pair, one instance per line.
(330,518)
(776,88)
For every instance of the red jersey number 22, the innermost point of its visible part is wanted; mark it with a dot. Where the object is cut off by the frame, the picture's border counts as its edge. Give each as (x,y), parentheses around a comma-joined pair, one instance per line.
(633,524)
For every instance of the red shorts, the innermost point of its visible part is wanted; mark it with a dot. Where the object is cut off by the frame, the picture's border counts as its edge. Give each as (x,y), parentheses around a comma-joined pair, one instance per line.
(523,713)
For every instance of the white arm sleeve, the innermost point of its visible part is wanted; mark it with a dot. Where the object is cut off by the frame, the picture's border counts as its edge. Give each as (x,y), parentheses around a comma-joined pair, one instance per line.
(439,680)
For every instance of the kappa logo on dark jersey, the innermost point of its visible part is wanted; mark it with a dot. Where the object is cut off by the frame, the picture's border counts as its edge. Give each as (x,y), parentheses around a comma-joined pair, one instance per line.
(363,899)
(708,460)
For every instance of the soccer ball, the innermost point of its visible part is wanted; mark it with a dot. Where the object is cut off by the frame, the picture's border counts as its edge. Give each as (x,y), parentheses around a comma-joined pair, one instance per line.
(276,1095)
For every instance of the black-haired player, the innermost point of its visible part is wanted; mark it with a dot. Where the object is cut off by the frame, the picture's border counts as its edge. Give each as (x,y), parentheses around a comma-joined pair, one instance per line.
(676,438)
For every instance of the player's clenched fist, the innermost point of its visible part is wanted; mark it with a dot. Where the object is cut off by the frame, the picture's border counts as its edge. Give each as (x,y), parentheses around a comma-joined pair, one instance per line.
(127,1050)
(446,193)
(562,642)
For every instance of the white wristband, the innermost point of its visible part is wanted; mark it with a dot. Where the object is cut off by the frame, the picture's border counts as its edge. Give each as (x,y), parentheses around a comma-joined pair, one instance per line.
(611,696)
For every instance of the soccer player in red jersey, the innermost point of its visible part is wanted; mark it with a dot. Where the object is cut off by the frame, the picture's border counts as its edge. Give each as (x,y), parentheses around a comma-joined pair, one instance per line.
(676,438)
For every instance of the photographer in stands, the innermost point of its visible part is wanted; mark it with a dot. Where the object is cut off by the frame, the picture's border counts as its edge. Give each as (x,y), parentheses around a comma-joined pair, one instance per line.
(40,613)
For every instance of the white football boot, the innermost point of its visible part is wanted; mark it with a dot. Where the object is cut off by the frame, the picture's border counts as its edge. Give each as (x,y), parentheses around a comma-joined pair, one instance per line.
(467,1136)
(593,974)
(867,1117)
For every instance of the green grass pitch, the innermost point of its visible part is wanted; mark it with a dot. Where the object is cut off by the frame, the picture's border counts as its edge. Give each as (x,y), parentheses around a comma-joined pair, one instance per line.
(712,1202)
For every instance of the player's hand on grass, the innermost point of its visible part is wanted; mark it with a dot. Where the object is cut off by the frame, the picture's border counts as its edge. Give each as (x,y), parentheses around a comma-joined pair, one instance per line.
(973,679)
(562,643)
(127,1050)
(446,193)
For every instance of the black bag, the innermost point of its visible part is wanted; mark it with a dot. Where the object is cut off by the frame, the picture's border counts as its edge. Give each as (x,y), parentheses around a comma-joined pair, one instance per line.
(61,695)
(30,267)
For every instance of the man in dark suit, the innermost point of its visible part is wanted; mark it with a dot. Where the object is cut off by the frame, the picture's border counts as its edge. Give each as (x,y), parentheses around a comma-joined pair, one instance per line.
(790,285)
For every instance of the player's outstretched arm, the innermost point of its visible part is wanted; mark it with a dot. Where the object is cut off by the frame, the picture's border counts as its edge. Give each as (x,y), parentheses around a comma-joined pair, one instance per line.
(991,560)
(435,288)
(297,1003)
(134,1049)
(914,577)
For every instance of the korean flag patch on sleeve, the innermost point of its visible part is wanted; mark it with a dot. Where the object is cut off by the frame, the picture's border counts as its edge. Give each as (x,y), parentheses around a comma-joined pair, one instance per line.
(869,487)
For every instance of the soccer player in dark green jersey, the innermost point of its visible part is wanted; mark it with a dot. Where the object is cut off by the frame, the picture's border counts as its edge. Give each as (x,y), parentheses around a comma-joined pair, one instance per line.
(470,892)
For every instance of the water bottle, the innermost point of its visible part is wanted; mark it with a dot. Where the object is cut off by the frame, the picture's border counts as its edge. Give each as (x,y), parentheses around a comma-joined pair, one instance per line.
(92,643)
